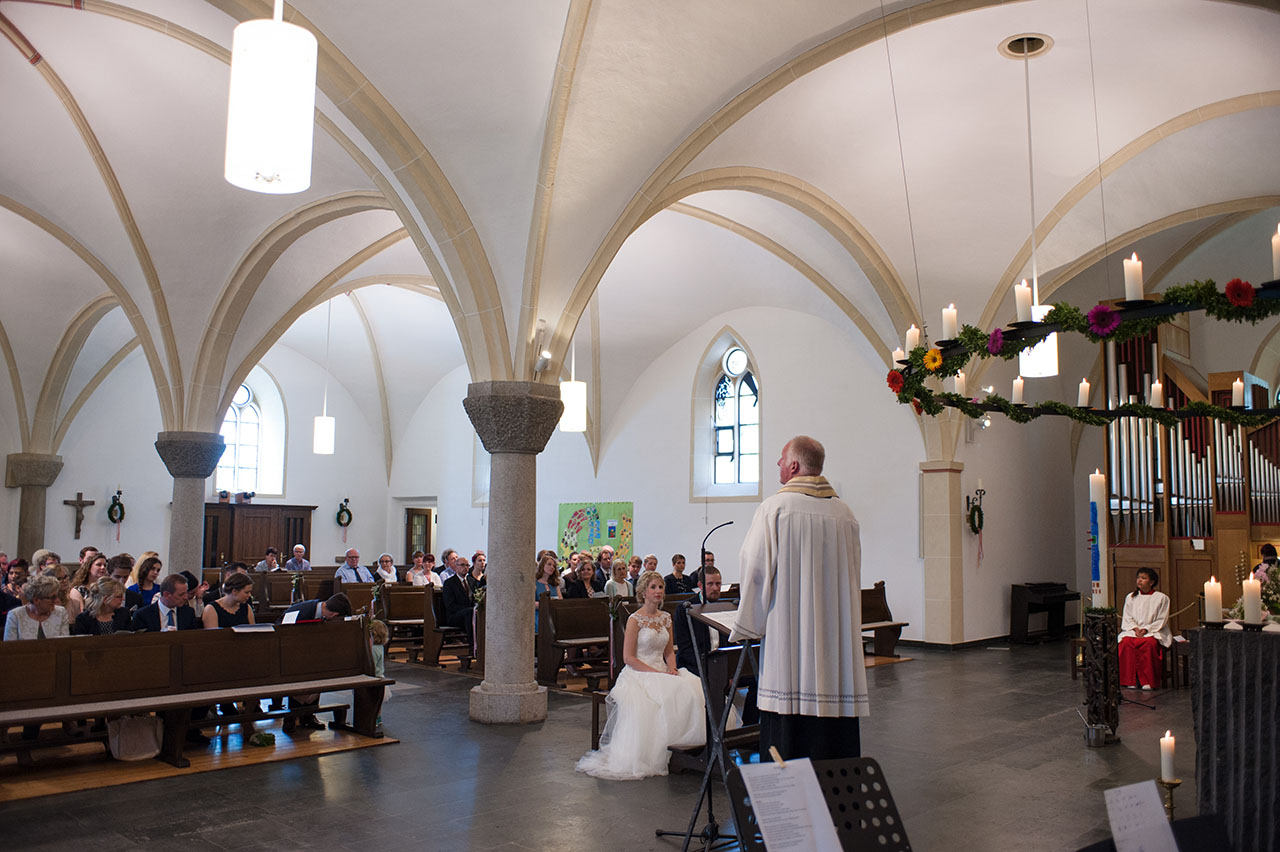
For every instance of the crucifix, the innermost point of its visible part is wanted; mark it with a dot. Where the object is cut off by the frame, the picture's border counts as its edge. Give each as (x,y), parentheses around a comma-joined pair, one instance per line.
(79,503)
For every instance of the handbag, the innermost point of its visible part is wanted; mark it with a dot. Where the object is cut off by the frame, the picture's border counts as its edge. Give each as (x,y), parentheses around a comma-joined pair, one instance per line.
(134,737)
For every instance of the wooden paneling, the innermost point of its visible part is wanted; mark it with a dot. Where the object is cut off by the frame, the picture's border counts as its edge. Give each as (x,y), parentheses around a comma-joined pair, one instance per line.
(28,676)
(1189,576)
(130,669)
(243,531)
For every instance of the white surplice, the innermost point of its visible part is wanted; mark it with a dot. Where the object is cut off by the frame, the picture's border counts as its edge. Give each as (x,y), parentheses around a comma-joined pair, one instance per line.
(1151,613)
(801,591)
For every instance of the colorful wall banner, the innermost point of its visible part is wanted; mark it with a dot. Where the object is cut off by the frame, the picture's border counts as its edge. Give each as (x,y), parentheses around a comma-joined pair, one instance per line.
(590,526)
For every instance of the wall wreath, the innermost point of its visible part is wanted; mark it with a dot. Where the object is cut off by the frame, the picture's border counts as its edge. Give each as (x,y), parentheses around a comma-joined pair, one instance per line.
(344,514)
(115,512)
(976,519)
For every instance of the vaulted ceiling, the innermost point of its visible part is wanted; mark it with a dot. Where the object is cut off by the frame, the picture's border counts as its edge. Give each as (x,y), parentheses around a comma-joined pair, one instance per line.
(497,164)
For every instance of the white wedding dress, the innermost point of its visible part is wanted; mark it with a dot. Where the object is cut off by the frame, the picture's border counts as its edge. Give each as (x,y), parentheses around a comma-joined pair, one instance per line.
(648,711)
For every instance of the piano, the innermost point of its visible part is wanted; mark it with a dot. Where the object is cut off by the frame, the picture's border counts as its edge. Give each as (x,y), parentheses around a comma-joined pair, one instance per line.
(1027,598)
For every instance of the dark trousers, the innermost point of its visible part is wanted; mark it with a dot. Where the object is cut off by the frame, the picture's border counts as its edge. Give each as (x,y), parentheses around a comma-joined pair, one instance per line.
(819,738)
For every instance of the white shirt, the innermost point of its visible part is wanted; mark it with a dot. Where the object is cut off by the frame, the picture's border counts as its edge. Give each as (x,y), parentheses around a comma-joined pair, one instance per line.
(164,614)
(800,567)
(425,577)
(1149,612)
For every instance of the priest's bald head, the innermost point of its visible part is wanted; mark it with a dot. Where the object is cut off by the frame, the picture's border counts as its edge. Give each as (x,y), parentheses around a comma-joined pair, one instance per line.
(802,456)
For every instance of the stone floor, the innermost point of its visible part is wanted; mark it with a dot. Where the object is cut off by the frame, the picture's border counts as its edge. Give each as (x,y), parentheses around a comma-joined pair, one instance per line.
(982,749)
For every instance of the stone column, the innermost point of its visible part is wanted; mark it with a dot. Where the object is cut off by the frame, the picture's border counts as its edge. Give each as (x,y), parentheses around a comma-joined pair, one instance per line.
(943,520)
(514,421)
(33,473)
(190,457)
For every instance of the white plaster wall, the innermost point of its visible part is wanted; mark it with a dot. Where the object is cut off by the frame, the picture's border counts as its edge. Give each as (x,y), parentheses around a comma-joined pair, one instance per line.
(10,442)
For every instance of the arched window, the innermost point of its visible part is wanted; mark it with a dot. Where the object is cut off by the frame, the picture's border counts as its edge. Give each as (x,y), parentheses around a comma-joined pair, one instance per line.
(724,458)
(242,430)
(737,421)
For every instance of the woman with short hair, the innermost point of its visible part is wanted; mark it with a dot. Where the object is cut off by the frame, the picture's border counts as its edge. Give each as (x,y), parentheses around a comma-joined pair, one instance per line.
(41,617)
(104,611)
(386,567)
(63,598)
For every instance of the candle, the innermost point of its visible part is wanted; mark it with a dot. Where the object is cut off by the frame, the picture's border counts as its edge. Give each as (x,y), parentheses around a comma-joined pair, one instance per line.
(1101,500)
(1082,399)
(1275,254)
(1213,600)
(1157,394)
(1017,391)
(1252,601)
(1237,393)
(1022,298)
(949,322)
(899,355)
(913,337)
(979,484)
(1133,278)
(959,383)
(1166,757)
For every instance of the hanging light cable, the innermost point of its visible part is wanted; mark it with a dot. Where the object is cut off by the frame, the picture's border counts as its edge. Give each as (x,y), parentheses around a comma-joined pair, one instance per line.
(573,394)
(1041,360)
(322,439)
(271,106)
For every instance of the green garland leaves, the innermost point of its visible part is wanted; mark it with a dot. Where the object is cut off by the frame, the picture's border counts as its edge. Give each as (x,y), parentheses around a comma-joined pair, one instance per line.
(974,342)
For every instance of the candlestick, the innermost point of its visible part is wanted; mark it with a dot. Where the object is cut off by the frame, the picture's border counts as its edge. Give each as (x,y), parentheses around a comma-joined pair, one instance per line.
(1252,601)
(1213,600)
(899,355)
(949,322)
(1275,254)
(1082,399)
(1157,394)
(1168,787)
(1237,393)
(959,383)
(913,337)
(1166,757)
(1133,279)
(1022,299)
(1017,391)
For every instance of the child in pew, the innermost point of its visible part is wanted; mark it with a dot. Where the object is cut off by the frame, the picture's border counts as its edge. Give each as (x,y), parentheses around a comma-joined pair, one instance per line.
(379,638)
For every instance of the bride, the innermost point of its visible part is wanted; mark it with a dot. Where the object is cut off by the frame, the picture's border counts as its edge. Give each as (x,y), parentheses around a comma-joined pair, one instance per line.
(653,705)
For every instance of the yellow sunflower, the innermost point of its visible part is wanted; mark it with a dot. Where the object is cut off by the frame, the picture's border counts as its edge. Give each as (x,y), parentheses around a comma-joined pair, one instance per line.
(933,359)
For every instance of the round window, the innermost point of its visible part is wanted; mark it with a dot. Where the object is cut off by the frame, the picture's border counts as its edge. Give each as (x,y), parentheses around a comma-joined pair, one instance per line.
(735,362)
(242,395)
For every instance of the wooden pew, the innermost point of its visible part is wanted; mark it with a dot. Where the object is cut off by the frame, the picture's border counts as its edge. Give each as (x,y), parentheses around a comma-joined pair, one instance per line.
(436,634)
(404,609)
(52,680)
(877,619)
(564,624)
(361,597)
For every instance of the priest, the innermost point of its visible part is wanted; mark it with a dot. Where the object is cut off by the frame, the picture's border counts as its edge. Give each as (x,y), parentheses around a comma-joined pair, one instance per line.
(801,597)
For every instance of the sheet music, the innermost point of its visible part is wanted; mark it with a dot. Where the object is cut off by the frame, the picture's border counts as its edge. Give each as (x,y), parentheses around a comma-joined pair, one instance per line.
(1138,821)
(725,619)
(256,628)
(289,617)
(789,807)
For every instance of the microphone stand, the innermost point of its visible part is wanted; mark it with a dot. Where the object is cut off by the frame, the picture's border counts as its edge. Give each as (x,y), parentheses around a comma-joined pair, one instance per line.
(702,556)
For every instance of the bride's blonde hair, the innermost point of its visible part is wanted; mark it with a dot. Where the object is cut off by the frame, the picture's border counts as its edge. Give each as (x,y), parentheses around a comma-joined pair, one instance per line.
(643,583)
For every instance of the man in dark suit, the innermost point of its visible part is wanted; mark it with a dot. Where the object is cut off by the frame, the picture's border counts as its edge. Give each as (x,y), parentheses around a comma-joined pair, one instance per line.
(338,606)
(604,569)
(458,603)
(688,646)
(169,611)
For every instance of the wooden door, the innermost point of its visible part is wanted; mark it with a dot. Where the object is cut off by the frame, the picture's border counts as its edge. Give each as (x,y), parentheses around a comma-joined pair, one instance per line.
(217,535)
(417,532)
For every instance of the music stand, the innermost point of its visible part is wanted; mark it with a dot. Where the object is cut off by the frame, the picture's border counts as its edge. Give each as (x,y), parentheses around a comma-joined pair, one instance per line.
(717,754)
(857,796)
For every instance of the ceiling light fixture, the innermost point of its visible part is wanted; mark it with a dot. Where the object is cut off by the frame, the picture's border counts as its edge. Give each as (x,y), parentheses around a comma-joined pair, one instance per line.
(271,107)
(573,394)
(322,439)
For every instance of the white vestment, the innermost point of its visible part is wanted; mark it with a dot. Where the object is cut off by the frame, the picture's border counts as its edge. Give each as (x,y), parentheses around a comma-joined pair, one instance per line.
(1151,613)
(801,591)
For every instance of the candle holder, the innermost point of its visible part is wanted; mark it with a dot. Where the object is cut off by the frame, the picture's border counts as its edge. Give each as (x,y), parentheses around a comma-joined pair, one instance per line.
(1249,625)
(1135,303)
(1168,787)
(1213,625)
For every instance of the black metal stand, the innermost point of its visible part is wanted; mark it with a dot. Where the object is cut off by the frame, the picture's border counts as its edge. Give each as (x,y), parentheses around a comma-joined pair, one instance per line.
(717,755)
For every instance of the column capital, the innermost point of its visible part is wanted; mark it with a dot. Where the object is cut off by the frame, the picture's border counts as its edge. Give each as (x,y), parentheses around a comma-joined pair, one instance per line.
(190,454)
(513,417)
(31,469)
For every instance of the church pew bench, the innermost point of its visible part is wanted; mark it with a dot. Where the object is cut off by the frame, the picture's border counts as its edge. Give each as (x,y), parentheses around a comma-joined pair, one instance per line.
(104,677)
(360,595)
(879,621)
(404,609)
(576,623)
(437,635)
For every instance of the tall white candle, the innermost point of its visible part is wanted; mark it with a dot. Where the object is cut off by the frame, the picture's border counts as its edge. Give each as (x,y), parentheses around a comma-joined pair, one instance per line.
(1166,757)
(1022,299)
(1237,393)
(1252,601)
(1082,398)
(899,355)
(1275,254)
(1099,497)
(949,322)
(959,382)
(1157,394)
(1133,278)
(1017,391)
(1213,600)
(913,337)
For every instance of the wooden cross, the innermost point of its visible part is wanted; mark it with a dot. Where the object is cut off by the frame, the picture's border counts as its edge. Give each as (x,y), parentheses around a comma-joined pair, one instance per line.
(79,503)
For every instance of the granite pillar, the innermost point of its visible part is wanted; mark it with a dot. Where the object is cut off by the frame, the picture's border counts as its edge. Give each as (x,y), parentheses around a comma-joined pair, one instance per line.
(33,473)
(514,421)
(190,457)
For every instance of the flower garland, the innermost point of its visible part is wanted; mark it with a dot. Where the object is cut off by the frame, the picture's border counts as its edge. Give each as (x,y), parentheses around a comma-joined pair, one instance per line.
(1239,302)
